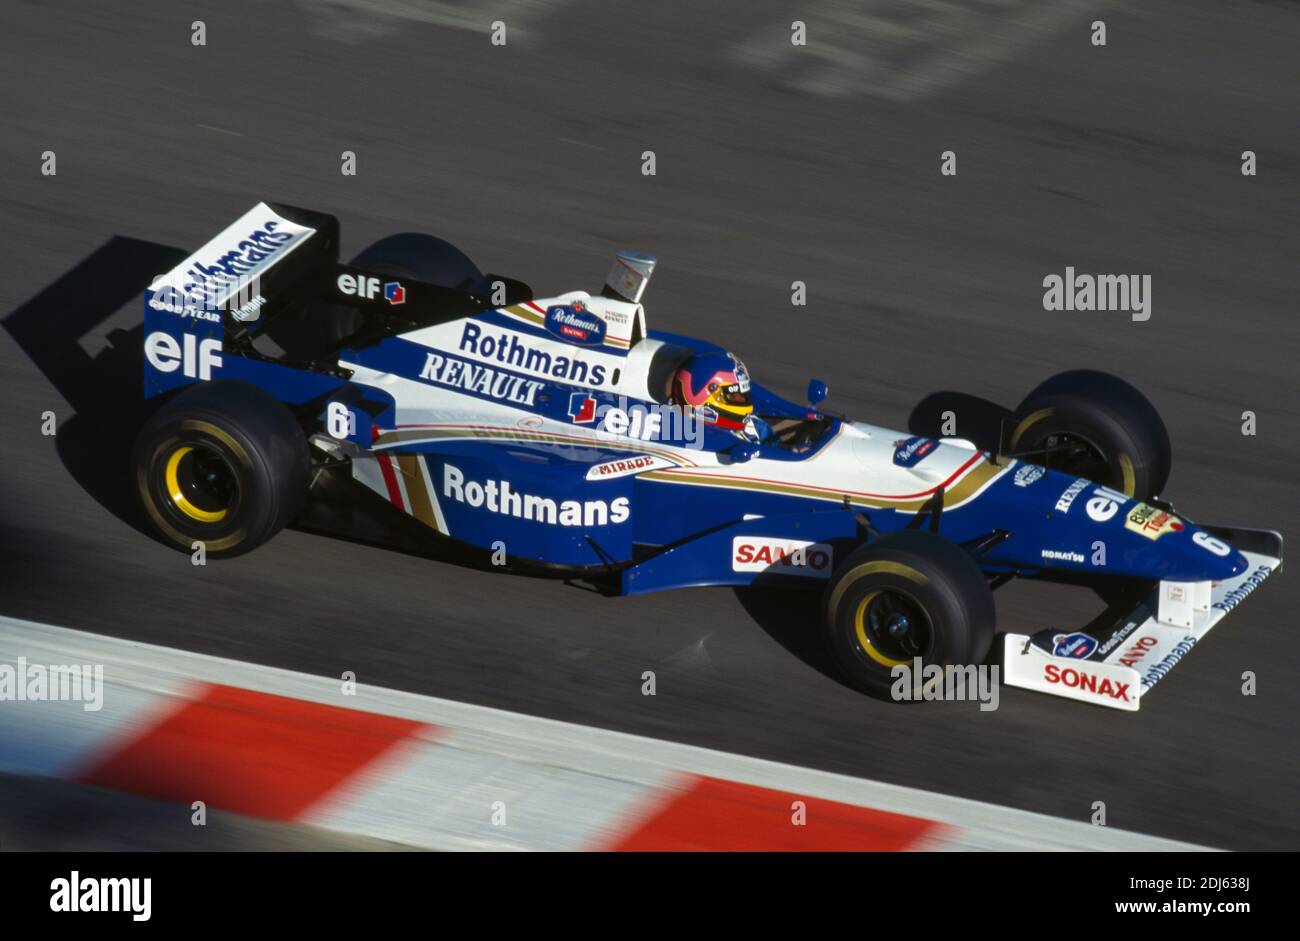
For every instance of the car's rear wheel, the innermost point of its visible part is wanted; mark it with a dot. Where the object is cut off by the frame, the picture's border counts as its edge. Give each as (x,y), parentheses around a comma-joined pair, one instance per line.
(224,464)
(423,257)
(1094,425)
(903,597)
(413,255)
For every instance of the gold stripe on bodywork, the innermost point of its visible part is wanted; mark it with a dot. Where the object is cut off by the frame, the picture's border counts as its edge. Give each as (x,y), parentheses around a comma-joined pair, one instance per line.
(981,475)
(416,491)
(519,310)
(417,435)
(964,489)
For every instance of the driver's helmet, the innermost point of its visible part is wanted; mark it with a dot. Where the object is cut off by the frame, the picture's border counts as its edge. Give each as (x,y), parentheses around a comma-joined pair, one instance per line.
(716,386)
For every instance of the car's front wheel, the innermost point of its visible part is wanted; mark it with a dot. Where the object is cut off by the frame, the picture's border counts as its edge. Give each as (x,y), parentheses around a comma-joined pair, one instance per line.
(1094,425)
(224,464)
(903,597)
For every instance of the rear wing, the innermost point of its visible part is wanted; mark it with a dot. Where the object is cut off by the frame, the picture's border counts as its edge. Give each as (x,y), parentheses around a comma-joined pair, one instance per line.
(204,315)
(250,268)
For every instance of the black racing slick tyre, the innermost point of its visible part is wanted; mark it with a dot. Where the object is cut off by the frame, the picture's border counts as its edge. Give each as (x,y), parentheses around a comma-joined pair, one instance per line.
(903,596)
(405,255)
(423,257)
(1095,425)
(224,464)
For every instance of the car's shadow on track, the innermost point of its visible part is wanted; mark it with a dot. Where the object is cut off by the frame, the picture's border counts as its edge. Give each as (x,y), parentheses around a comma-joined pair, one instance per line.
(57,329)
(793,620)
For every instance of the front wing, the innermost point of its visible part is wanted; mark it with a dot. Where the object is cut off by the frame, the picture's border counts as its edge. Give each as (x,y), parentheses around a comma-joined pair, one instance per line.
(1120,665)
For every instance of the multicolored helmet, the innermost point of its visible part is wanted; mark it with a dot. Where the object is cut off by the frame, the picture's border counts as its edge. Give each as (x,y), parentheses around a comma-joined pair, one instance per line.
(716,385)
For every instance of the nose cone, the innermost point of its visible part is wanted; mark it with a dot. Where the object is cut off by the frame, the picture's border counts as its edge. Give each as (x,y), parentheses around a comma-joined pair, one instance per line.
(1188,555)
(1221,567)
(1085,526)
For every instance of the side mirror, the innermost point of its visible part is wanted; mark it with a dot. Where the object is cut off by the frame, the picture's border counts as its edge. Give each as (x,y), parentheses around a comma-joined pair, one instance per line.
(816,392)
(742,452)
(629,275)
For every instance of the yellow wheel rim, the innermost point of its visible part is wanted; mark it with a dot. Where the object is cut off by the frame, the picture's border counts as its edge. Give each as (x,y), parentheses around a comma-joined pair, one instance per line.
(860,625)
(1130,478)
(176,492)
(1025,425)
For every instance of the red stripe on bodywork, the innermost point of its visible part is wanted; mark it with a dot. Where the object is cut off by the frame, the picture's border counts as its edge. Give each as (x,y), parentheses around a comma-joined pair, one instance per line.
(723,478)
(715,815)
(251,753)
(390,480)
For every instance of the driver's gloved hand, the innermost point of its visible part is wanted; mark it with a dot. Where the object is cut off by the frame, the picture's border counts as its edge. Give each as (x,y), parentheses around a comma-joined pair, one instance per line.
(758,431)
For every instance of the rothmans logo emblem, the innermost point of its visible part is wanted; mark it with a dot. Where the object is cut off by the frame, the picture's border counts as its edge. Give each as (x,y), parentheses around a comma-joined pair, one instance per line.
(574,323)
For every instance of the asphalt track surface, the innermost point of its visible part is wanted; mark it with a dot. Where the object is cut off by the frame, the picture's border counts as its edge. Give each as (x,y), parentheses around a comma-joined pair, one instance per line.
(770,169)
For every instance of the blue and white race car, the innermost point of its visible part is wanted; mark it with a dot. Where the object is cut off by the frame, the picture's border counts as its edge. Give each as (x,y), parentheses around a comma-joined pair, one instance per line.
(409,398)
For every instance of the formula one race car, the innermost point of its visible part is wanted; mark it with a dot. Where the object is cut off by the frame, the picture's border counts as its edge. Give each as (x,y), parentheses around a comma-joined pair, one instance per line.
(409,398)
